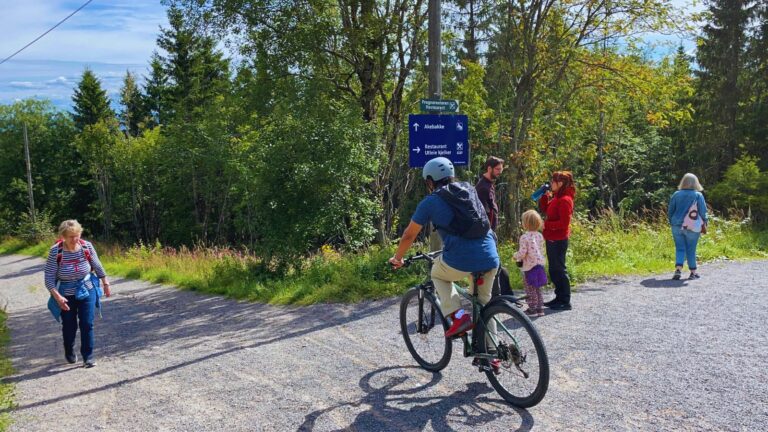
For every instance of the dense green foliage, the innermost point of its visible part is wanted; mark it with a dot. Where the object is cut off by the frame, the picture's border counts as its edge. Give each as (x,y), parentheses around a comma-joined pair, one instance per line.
(297,140)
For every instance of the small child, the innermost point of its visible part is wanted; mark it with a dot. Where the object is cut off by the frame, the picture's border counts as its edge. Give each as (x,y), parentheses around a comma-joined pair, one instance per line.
(531,254)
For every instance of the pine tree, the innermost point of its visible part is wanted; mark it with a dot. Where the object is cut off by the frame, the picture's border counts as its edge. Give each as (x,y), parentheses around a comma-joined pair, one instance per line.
(757,80)
(473,20)
(134,115)
(91,103)
(195,125)
(680,131)
(721,58)
(155,91)
(196,71)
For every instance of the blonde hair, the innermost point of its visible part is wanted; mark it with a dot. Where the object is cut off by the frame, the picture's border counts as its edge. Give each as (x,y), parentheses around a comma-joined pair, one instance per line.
(690,181)
(532,221)
(70,226)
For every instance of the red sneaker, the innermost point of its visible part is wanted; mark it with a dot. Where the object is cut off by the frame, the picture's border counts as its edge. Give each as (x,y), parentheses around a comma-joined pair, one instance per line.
(460,326)
(496,366)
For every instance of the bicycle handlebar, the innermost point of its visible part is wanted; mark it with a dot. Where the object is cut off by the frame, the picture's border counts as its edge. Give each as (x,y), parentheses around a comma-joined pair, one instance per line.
(420,256)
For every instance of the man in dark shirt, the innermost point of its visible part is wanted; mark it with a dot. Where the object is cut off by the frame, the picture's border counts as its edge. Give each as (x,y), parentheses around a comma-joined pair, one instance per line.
(486,190)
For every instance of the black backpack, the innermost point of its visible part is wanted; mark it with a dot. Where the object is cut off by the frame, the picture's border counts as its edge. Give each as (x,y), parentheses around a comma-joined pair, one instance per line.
(501,285)
(469,218)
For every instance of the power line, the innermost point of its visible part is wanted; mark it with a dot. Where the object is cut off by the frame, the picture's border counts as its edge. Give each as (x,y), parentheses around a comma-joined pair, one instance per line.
(48,31)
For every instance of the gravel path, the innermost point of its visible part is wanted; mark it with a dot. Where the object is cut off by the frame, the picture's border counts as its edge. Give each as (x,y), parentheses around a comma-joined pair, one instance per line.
(638,353)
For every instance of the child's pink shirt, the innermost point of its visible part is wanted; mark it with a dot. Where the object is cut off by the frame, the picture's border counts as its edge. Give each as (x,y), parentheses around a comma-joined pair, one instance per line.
(531,250)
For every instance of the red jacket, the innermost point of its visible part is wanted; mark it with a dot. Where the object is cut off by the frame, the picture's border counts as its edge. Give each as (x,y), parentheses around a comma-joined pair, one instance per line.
(559,209)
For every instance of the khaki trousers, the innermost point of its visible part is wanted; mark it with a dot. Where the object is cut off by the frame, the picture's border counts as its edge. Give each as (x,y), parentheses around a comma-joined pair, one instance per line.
(443,277)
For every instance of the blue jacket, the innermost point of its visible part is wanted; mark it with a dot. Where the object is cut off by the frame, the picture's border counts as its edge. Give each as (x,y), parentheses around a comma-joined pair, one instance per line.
(55,310)
(681,201)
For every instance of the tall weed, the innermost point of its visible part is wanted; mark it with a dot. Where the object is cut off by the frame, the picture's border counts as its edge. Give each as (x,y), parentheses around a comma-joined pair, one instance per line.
(6,369)
(614,244)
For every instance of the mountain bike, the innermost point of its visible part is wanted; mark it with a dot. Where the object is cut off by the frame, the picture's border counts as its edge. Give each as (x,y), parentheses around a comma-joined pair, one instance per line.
(501,332)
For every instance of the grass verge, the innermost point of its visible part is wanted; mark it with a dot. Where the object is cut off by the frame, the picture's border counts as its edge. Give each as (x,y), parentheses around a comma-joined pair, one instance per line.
(612,246)
(6,369)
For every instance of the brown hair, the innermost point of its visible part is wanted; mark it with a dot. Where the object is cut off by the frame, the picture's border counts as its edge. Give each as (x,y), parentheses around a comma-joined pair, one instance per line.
(566,177)
(492,162)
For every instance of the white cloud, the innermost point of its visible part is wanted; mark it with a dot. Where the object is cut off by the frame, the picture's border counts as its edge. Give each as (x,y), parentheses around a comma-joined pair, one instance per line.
(59,81)
(56,80)
(26,85)
(116,32)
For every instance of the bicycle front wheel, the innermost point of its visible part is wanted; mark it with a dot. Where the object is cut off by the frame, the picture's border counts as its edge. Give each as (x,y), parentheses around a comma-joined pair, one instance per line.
(423,327)
(523,377)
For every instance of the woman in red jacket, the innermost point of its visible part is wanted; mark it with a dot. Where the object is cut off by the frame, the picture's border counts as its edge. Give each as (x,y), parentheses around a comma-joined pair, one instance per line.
(558,206)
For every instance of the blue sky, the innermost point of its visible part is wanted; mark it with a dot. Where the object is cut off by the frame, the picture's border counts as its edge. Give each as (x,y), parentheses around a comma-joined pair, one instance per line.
(110,37)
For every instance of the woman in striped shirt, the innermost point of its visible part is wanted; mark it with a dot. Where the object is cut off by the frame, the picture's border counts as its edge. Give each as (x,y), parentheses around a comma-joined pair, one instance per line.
(70,263)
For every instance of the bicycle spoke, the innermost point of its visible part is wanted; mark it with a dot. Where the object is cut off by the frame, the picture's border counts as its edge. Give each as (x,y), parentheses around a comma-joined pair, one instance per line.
(423,329)
(524,370)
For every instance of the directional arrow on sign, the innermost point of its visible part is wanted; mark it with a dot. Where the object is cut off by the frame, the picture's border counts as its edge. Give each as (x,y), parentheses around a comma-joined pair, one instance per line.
(433,135)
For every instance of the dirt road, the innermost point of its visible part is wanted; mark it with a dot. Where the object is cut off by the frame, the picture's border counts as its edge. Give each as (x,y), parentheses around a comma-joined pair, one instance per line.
(638,353)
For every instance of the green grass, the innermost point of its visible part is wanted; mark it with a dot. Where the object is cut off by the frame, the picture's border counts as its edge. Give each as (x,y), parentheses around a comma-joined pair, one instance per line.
(6,389)
(621,246)
(612,246)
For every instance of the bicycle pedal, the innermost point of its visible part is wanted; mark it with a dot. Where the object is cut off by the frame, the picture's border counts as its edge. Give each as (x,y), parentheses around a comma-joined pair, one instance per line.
(490,369)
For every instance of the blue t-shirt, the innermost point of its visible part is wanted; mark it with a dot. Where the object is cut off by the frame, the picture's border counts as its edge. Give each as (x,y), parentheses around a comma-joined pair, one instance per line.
(469,255)
(680,203)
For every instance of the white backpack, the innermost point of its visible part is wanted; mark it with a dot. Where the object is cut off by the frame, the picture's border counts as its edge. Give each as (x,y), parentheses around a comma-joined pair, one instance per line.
(692,220)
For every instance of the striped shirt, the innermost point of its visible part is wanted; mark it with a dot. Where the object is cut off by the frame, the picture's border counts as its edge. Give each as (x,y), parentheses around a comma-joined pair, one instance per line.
(74,267)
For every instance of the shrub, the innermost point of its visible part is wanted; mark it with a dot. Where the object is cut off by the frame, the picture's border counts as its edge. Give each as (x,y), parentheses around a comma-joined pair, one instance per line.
(33,231)
(744,189)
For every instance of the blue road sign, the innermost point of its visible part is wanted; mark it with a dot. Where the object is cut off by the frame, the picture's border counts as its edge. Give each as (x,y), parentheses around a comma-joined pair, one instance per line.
(433,135)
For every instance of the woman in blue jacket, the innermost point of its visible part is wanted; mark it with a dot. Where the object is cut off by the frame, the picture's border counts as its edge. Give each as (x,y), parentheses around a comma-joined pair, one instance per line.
(688,222)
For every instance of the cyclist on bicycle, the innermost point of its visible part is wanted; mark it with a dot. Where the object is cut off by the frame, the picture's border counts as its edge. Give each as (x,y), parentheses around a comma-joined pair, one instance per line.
(461,256)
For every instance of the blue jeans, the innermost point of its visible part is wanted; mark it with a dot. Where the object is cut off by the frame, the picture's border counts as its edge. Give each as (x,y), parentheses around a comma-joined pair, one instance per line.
(685,246)
(81,311)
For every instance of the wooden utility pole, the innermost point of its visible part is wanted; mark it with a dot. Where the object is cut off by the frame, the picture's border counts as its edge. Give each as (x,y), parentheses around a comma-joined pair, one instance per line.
(435,51)
(29,176)
(435,81)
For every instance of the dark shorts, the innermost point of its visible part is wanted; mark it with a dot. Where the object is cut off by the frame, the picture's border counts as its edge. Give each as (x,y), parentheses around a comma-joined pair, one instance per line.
(536,277)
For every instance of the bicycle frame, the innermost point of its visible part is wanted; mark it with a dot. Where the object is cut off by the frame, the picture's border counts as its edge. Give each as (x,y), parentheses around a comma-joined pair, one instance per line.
(497,350)
(428,286)
(476,312)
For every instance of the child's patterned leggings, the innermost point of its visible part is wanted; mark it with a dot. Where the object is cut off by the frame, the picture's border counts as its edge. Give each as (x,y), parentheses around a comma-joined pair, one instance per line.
(534,300)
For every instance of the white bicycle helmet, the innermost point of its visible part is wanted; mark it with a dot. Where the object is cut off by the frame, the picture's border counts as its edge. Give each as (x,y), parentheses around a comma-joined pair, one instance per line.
(438,169)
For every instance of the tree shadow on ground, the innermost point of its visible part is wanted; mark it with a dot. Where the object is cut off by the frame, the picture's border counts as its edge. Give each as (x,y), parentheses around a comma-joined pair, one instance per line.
(404,398)
(142,316)
(663,283)
(20,260)
(587,289)
(38,268)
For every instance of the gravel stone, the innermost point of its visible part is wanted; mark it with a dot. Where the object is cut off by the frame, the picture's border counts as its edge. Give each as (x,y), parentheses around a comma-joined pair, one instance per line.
(635,353)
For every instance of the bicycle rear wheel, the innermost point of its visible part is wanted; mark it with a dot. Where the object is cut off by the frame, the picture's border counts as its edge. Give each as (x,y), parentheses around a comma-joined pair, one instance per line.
(423,327)
(524,374)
